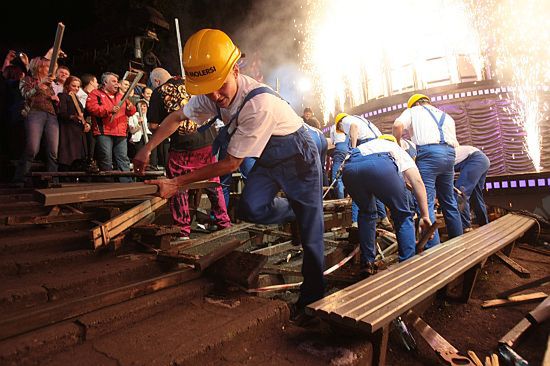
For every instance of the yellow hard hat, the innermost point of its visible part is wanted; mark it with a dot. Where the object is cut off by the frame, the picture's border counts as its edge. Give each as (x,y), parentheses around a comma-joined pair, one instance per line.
(415,98)
(339,117)
(208,57)
(388,137)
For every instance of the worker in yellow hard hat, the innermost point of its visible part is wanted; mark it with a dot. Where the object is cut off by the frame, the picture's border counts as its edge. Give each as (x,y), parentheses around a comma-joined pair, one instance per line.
(376,171)
(433,132)
(360,130)
(258,124)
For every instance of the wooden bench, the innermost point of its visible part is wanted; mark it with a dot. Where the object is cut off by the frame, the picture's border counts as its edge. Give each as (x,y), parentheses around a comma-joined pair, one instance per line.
(372,304)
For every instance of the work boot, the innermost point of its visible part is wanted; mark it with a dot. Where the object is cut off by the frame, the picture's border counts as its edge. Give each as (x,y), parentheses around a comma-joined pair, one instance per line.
(385,224)
(367,269)
(299,317)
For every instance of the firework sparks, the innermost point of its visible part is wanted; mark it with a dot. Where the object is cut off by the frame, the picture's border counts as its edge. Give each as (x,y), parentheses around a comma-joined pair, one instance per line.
(359,50)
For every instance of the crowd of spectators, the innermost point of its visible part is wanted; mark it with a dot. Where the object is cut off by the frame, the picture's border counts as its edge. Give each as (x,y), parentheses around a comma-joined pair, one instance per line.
(77,123)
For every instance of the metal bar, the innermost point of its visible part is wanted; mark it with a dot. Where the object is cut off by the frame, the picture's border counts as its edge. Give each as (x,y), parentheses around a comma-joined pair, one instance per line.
(180,54)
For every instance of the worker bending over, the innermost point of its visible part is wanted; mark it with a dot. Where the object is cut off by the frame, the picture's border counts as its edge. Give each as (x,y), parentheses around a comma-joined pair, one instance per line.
(379,168)
(473,166)
(259,124)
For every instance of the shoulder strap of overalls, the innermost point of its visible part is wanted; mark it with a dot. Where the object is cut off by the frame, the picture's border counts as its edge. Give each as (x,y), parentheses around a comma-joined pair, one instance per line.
(251,94)
(439,124)
(369,125)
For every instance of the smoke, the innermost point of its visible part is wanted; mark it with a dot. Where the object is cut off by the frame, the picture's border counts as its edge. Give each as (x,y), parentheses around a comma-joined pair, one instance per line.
(272,33)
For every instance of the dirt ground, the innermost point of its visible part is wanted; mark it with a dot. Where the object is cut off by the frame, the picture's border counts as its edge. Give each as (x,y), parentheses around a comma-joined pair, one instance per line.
(469,327)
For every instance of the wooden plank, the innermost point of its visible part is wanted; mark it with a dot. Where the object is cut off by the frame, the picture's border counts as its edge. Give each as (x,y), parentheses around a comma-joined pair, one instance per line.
(219,234)
(208,259)
(513,265)
(394,306)
(353,290)
(55,313)
(515,333)
(103,173)
(514,300)
(541,313)
(401,270)
(470,278)
(56,196)
(64,195)
(476,255)
(239,267)
(39,220)
(101,235)
(535,283)
(534,249)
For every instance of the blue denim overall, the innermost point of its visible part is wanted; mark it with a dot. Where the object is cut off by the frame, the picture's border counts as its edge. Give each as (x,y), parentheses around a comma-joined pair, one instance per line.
(436,165)
(289,163)
(471,181)
(376,177)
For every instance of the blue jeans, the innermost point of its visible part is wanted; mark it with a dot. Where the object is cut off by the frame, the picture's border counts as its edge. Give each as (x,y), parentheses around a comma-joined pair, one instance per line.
(436,165)
(38,124)
(291,164)
(471,182)
(338,157)
(113,147)
(372,176)
(380,210)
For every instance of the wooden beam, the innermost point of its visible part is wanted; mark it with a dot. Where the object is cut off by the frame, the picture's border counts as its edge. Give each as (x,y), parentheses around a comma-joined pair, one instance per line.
(101,235)
(64,195)
(39,220)
(514,300)
(206,260)
(55,313)
(513,265)
(528,285)
(534,249)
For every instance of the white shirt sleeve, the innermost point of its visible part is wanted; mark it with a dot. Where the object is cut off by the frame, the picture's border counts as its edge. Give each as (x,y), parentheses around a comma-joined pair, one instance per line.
(199,109)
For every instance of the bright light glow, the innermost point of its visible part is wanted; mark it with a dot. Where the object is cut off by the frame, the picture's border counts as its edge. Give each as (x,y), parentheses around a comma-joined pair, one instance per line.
(304,85)
(359,50)
(518,33)
(365,49)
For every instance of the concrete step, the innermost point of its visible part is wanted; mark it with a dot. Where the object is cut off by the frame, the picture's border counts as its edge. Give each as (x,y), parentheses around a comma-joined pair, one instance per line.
(241,330)
(79,280)
(34,347)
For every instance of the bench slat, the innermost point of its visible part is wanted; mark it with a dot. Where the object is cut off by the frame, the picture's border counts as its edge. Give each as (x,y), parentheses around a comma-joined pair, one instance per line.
(384,315)
(374,302)
(335,300)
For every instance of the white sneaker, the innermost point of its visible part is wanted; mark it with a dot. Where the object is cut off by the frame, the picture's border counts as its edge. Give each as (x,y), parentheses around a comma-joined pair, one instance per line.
(354,224)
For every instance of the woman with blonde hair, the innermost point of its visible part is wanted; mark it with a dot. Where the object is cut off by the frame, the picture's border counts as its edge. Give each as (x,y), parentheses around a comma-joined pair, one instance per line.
(41,118)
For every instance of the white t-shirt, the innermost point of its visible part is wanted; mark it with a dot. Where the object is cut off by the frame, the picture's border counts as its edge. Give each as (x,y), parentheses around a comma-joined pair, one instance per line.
(263,116)
(133,123)
(336,136)
(463,151)
(82,96)
(402,159)
(363,130)
(423,129)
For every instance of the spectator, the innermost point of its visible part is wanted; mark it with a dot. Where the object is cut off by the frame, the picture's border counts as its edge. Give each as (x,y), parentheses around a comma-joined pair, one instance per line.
(310,119)
(189,150)
(89,83)
(146,94)
(137,124)
(110,124)
(41,118)
(61,75)
(72,126)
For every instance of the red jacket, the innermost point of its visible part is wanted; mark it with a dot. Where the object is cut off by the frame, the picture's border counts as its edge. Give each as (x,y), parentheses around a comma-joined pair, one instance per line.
(100,104)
